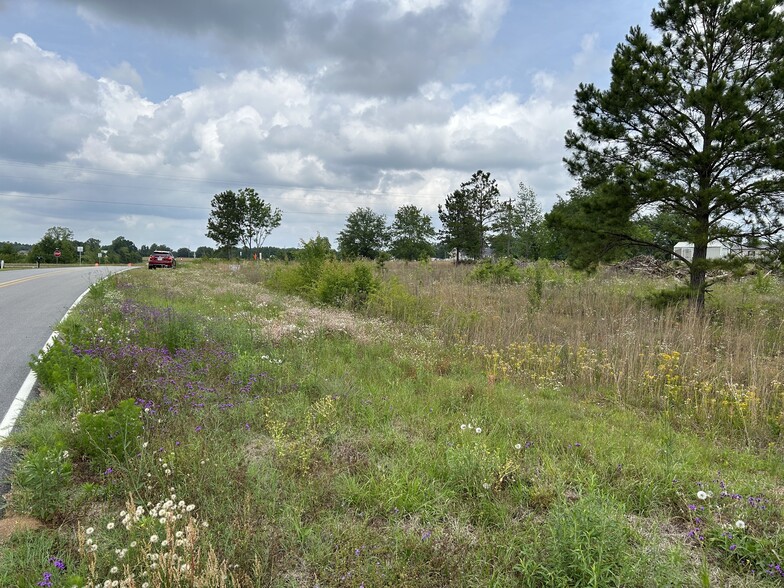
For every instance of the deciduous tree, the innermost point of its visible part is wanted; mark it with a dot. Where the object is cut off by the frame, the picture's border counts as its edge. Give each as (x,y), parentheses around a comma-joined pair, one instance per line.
(55,238)
(365,234)
(412,234)
(259,219)
(241,217)
(518,225)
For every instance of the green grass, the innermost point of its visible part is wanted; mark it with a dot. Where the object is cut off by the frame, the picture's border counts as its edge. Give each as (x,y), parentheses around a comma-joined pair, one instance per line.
(325,448)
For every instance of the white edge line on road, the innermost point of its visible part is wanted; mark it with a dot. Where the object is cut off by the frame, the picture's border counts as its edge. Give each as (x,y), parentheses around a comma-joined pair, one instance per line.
(9,420)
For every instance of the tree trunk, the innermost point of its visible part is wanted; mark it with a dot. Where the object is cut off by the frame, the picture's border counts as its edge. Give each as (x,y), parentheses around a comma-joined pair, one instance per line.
(697,276)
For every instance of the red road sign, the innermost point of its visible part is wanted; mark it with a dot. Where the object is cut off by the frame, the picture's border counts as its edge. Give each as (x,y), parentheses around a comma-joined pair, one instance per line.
(57,253)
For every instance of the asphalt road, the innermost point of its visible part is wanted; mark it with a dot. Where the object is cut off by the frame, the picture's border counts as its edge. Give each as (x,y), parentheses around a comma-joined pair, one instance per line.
(32,303)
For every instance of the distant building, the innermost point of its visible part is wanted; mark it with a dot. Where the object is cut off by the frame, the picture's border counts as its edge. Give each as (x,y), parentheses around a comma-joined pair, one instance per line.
(718,250)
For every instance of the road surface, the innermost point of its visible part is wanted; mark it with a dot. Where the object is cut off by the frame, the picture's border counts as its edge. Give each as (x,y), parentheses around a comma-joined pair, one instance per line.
(32,302)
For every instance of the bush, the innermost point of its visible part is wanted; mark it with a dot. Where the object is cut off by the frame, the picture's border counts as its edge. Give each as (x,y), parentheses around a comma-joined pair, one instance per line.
(109,436)
(661,299)
(504,271)
(39,481)
(67,375)
(393,299)
(345,285)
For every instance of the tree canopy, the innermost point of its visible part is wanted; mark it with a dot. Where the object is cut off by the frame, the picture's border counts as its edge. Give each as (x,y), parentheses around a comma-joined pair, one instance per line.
(55,238)
(467,215)
(241,217)
(225,223)
(518,225)
(411,234)
(691,126)
(365,234)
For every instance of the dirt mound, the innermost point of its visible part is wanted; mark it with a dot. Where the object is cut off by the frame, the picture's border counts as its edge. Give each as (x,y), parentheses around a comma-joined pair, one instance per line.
(11,525)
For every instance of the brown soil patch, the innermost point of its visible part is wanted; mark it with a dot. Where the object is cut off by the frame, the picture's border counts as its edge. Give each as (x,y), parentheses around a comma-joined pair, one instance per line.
(10,525)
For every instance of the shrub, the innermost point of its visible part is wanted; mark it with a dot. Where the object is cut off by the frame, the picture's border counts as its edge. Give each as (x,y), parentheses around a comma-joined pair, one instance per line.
(40,480)
(393,299)
(61,370)
(110,435)
(661,299)
(504,271)
(345,285)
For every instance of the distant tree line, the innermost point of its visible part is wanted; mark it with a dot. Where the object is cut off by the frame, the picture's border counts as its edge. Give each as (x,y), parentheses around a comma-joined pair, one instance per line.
(61,239)
(478,222)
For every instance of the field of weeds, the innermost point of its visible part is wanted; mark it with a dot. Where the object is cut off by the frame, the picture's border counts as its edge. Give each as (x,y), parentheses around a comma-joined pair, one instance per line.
(404,425)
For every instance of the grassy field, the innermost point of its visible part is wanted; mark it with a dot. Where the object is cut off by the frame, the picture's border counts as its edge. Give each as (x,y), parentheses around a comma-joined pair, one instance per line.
(403,426)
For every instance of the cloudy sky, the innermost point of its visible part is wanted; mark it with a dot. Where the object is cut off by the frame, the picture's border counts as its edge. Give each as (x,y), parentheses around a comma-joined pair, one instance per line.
(126,118)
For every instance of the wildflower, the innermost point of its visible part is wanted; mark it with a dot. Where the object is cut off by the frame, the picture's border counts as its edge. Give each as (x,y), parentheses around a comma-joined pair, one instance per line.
(154,539)
(479,430)
(110,526)
(463,427)
(114,570)
(740,524)
(486,486)
(89,530)
(518,446)
(164,543)
(702,495)
(190,507)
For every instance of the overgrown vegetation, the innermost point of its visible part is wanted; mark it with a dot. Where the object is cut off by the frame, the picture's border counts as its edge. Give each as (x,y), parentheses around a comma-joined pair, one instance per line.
(416,428)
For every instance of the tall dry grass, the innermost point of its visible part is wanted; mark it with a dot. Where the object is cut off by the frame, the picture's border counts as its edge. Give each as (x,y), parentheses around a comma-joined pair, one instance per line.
(599,334)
